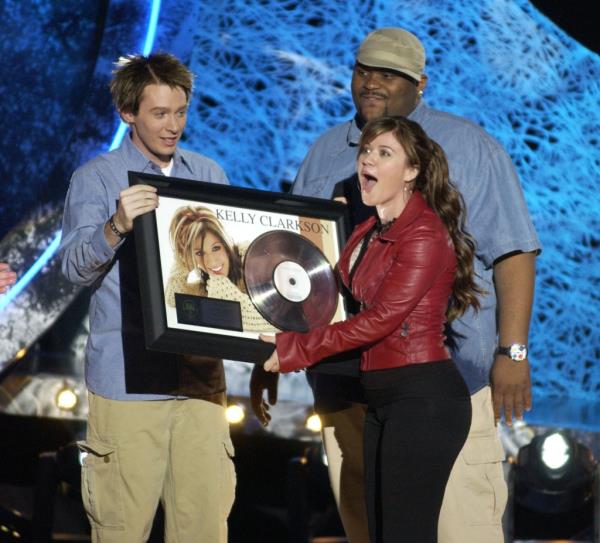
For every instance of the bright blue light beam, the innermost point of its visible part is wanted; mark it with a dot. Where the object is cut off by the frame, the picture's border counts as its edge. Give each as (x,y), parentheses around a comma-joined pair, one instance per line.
(16,289)
(152,25)
(118,137)
(148,43)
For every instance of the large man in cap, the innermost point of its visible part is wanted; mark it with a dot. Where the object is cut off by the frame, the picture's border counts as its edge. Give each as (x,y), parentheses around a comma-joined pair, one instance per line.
(489,346)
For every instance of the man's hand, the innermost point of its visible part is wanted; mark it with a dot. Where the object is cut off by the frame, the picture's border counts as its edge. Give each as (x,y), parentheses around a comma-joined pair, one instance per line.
(511,388)
(261,381)
(7,277)
(133,202)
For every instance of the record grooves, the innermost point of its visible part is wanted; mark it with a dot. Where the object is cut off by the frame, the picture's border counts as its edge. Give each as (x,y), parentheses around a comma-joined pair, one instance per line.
(289,281)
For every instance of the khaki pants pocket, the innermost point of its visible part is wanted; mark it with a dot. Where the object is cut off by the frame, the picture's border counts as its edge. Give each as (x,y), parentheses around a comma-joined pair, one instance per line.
(101,484)
(484,488)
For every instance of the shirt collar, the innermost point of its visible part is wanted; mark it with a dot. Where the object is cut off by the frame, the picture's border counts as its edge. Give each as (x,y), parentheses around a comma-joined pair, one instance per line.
(353,136)
(142,163)
(417,113)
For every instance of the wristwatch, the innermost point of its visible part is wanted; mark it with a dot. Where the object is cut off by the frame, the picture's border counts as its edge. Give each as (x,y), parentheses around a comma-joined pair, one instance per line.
(516,351)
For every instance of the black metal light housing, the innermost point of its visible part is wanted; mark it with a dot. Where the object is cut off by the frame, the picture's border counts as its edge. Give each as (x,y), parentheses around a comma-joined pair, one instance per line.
(554,474)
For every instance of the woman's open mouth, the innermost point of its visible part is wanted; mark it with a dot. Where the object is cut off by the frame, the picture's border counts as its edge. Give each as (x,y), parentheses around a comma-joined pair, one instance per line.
(368,181)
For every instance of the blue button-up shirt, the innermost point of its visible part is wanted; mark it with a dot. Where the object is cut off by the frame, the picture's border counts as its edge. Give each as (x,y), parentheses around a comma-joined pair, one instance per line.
(497,215)
(88,259)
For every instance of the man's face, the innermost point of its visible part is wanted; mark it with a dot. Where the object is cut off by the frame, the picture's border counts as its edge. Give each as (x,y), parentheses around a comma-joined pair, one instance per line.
(159,122)
(378,92)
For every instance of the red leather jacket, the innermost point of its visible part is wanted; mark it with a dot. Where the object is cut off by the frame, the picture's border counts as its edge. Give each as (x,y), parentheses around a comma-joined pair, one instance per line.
(403,283)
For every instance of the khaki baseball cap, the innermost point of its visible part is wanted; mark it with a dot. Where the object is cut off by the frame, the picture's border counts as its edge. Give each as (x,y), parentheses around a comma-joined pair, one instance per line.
(394,49)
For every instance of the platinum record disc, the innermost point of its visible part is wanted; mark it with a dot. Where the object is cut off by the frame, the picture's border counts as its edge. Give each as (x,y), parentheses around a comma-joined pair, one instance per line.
(290,281)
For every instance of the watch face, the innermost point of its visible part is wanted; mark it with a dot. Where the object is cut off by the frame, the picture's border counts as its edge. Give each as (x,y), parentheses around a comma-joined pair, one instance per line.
(518,352)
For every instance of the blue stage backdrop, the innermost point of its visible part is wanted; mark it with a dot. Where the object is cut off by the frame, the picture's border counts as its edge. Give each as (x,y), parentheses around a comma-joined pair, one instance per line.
(273,75)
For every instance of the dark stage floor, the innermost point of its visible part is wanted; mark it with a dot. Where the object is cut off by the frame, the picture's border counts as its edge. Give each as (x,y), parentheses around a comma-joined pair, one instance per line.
(275,476)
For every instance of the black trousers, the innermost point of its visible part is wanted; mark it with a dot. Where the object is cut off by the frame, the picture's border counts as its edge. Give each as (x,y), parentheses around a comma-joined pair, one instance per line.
(417,421)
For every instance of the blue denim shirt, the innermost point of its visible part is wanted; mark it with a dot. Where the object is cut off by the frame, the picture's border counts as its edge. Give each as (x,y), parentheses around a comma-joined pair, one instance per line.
(497,214)
(88,259)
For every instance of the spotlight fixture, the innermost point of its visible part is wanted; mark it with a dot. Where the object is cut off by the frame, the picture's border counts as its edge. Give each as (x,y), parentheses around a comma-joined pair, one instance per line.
(66,398)
(20,353)
(313,423)
(235,414)
(554,474)
(555,451)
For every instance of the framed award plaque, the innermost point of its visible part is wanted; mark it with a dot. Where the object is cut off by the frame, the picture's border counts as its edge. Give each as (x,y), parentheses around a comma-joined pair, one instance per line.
(219,265)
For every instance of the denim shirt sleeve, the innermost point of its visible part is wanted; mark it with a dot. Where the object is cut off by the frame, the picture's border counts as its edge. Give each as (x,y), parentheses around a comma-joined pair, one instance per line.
(497,213)
(480,168)
(85,253)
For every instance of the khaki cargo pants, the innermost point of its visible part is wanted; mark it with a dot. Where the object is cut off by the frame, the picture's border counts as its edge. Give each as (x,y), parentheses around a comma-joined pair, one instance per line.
(140,452)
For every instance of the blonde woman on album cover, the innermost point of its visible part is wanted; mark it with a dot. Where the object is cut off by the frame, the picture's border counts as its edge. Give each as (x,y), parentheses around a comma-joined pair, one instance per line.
(208,263)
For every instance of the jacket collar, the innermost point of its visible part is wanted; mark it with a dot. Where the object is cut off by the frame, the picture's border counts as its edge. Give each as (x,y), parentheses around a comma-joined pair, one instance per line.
(414,208)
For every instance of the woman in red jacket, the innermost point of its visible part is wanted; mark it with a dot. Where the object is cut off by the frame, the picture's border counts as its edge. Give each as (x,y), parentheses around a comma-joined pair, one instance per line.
(411,269)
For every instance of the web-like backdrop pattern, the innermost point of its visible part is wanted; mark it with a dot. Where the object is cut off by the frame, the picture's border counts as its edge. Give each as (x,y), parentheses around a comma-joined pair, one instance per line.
(274,75)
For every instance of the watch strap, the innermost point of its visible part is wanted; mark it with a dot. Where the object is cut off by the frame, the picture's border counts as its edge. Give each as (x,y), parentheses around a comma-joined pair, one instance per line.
(516,351)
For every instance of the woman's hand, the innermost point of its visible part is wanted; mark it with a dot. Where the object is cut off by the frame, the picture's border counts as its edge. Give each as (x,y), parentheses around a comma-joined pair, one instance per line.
(272,363)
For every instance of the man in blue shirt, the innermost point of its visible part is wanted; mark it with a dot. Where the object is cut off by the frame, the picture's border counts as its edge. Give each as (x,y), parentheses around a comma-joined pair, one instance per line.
(488,346)
(157,428)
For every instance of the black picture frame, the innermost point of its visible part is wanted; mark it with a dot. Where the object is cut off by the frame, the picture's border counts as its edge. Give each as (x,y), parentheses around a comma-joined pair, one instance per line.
(222,340)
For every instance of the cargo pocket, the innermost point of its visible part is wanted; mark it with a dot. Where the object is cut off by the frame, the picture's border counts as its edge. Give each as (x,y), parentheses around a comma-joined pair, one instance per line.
(484,489)
(101,484)
(228,477)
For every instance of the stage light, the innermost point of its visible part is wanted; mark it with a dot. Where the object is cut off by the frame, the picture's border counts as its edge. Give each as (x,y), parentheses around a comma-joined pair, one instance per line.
(313,423)
(554,474)
(556,451)
(235,414)
(66,399)
(21,353)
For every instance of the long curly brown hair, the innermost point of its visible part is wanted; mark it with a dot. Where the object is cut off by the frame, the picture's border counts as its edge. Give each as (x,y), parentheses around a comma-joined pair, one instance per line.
(433,181)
